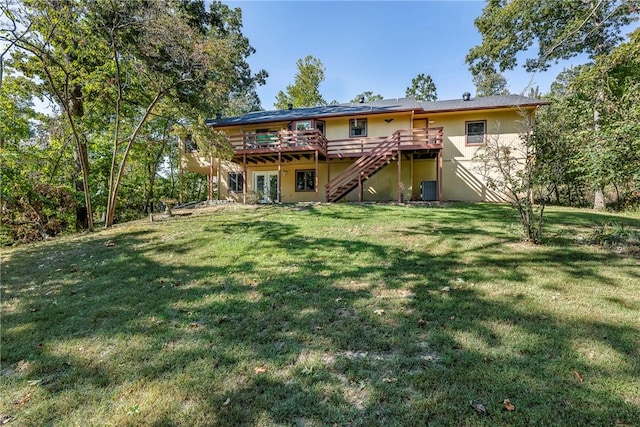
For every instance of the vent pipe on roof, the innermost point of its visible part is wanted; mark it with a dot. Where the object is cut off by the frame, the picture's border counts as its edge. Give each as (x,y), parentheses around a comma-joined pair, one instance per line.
(290,106)
(218,116)
(362,100)
(466,96)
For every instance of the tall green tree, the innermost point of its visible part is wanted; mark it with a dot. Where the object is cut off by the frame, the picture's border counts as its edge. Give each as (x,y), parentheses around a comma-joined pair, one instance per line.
(113,66)
(561,29)
(45,40)
(490,83)
(368,96)
(305,90)
(422,88)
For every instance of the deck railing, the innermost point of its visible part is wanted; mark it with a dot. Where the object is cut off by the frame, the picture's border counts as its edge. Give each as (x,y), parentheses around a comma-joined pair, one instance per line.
(277,140)
(406,137)
(352,147)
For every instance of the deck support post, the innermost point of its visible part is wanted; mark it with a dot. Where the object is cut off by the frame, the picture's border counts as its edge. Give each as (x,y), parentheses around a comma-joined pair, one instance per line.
(181,169)
(360,187)
(244,178)
(316,176)
(439,175)
(326,196)
(411,178)
(219,177)
(399,174)
(279,177)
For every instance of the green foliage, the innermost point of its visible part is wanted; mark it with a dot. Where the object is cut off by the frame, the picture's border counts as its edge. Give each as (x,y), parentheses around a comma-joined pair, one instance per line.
(40,211)
(490,83)
(575,157)
(305,90)
(422,88)
(616,235)
(16,111)
(560,29)
(127,70)
(368,97)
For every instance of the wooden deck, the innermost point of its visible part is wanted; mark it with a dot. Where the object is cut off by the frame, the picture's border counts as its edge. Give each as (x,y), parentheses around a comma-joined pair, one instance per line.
(266,147)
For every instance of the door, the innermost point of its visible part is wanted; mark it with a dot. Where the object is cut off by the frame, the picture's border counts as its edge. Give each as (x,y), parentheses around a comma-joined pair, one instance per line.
(266,186)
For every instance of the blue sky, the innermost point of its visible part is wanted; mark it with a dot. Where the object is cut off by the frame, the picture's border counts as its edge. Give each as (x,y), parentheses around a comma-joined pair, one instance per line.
(372,45)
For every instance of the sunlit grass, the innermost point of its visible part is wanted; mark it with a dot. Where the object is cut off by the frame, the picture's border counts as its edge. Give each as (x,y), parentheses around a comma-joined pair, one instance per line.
(322,315)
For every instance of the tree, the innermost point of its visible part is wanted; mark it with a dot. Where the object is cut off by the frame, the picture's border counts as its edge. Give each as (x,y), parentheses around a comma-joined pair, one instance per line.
(512,168)
(561,30)
(114,66)
(422,89)
(490,83)
(34,203)
(34,55)
(305,90)
(368,96)
(557,128)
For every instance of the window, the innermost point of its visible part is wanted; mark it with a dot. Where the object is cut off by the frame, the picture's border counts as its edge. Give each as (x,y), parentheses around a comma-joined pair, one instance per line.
(306,180)
(236,182)
(320,127)
(189,145)
(476,132)
(303,125)
(357,127)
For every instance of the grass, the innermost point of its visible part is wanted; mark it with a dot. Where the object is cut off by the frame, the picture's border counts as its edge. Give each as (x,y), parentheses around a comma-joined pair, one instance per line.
(348,315)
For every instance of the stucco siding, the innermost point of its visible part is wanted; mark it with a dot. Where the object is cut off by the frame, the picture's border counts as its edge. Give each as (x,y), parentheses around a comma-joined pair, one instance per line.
(461,175)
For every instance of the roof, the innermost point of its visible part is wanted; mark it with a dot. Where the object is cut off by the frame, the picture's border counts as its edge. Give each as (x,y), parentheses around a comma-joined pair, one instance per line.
(378,107)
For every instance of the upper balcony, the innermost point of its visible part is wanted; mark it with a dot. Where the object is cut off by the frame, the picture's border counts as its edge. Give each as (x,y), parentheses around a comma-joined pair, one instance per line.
(266,146)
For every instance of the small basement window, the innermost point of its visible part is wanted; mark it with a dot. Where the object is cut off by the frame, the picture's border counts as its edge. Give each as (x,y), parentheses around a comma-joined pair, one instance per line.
(357,128)
(476,132)
(236,182)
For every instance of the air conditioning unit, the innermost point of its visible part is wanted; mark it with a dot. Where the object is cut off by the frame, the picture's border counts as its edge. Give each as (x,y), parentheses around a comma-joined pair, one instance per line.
(428,191)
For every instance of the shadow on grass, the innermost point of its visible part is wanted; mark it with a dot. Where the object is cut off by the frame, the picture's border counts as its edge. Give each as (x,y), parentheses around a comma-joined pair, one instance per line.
(257,319)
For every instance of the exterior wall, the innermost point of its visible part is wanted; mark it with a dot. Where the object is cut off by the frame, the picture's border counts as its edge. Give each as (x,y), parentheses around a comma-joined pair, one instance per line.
(223,184)
(288,193)
(383,186)
(460,174)
(338,128)
(194,162)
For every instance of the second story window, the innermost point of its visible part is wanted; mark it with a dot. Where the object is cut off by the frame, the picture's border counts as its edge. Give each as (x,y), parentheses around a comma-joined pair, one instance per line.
(357,128)
(476,132)
(303,125)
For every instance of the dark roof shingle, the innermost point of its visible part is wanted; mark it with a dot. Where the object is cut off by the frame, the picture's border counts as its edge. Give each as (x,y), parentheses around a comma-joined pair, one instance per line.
(377,107)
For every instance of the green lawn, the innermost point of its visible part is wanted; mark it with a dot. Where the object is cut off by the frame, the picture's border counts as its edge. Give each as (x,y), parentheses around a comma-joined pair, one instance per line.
(348,315)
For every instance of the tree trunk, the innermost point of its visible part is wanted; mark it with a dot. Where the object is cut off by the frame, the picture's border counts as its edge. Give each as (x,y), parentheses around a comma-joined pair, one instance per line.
(81,210)
(598,196)
(598,199)
(211,179)
(115,186)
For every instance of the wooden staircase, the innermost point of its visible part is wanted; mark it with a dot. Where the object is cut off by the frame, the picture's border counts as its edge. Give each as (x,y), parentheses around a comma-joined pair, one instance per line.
(363,168)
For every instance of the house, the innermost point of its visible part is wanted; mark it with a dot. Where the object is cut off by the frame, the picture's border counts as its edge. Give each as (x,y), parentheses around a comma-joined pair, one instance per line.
(389,150)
